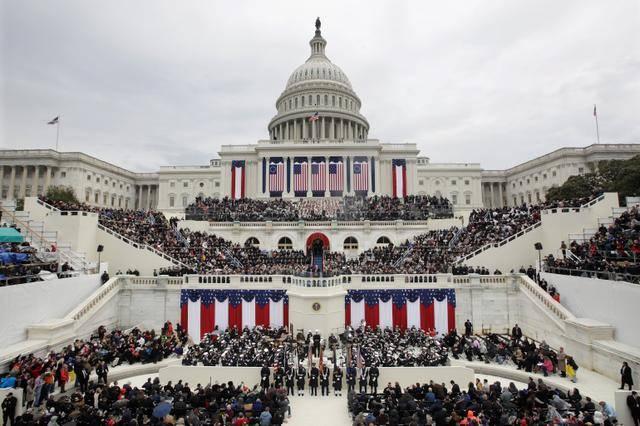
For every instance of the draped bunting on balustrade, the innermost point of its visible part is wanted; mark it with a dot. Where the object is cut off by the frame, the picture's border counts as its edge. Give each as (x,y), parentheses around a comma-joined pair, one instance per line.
(428,309)
(203,310)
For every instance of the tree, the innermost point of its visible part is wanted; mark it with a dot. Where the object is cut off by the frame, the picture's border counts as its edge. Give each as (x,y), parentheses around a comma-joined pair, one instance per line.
(62,193)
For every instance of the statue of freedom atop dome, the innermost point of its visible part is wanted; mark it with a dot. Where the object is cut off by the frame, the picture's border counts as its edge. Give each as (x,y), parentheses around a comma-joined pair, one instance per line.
(318,23)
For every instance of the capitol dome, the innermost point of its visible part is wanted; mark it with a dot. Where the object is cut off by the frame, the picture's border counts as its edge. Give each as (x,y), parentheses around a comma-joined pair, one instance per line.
(318,102)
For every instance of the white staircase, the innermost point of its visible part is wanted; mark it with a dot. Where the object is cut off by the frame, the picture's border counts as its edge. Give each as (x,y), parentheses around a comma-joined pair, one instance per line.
(37,236)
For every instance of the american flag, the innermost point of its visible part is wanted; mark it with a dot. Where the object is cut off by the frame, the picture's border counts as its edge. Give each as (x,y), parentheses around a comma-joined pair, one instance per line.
(300,177)
(336,176)
(276,177)
(361,176)
(314,117)
(318,176)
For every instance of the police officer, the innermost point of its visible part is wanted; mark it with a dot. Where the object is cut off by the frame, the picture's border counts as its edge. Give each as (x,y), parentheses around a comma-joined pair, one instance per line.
(337,381)
(374,373)
(264,377)
(313,379)
(362,379)
(290,378)
(301,377)
(351,378)
(324,381)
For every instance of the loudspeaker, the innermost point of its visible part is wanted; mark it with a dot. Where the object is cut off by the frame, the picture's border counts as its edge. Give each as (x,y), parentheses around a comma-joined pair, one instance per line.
(100,248)
(538,246)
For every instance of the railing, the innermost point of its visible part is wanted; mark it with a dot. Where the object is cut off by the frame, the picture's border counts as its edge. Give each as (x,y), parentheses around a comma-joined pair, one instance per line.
(602,275)
(141,246)
(560,312)
(47,205)
(105,291)
(33,235)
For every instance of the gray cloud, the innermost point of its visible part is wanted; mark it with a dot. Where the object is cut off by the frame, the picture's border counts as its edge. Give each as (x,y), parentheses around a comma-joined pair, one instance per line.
(151,83)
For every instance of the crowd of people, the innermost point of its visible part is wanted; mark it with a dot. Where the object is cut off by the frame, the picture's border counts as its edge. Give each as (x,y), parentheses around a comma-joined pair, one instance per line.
(480,403)
(377,208)
(21,263)
(612,253)
(437,251)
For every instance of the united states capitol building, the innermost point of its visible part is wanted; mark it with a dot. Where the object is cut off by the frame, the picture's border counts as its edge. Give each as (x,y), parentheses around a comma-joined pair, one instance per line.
(317,133)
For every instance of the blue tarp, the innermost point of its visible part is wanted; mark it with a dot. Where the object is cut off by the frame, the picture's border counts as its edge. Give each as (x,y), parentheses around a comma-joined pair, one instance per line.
(8,257)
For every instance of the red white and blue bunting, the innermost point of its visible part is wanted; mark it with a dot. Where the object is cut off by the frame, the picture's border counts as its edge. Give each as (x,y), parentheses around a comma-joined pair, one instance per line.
(427,309)
(201,311)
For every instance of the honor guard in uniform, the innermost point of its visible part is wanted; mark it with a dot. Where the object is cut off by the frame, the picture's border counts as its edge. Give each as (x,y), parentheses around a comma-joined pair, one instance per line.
(290,379)
(265,373)
(337,381)
(324,381)
(301,377)
(352,372)
(316,343)
(313,380)
(278,377)
(362,379)
(374,373)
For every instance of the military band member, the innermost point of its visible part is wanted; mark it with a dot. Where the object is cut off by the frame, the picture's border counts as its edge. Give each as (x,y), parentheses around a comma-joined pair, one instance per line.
(337,381)
(324,381)
(363,378)
(265,373)
(374,373)
(352,373)
(290,379)
(313,380)
(301,377)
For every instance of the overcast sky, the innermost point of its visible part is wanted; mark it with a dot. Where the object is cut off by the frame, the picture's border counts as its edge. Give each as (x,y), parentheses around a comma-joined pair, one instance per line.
(150,83)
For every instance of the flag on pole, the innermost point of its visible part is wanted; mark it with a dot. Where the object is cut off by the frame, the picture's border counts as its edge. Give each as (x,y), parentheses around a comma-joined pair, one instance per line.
(314,117)
(54,121)
(595,112)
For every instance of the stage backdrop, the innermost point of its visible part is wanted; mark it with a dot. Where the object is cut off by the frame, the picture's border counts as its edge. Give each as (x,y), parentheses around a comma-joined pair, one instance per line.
(203,310)
(428,309)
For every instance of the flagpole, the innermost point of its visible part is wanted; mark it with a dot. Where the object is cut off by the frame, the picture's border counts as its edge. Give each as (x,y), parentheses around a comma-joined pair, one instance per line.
(595,113)
(57,132)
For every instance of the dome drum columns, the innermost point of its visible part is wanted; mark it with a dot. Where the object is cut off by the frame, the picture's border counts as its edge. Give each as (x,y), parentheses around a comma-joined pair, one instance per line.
(324,128)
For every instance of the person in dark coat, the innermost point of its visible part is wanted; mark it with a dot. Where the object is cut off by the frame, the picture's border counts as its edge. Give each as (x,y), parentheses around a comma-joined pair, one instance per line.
(324,381)
(290,378)
(374,373)
(9,409)
(102,370)
(265,373)
(278,377)
(626,376)
(633,402)
(516,332)
(301,377)
(337,381)
(351,378)
(468,328)
(314,373)
(363,379)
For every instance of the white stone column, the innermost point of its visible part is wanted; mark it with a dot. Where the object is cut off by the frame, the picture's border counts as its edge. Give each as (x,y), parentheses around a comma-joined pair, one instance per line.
(36,178)
(139,204)
(47,179)
(500,204)
(332,131)
(493,201)
(304,129)
(326,176)
(1,180)
(148,197)
(12,184)
(23,182)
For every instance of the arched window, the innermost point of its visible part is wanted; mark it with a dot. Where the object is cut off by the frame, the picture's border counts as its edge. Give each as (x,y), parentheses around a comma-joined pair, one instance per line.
(326,99)
(252,242)
(317,99)
(285,243)
(383,241)
(350,243)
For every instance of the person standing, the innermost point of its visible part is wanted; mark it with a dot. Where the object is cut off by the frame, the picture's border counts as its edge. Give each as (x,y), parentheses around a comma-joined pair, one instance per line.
(374,373)
(351,378)
(324,381)
(313,380)
(626,376)
(290,376)
(468,328)
(9,409)
(633,402)
(363,379)
(563,248)
(337,381)
(265,373)
(562,362)
(102,370)
(301,377)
